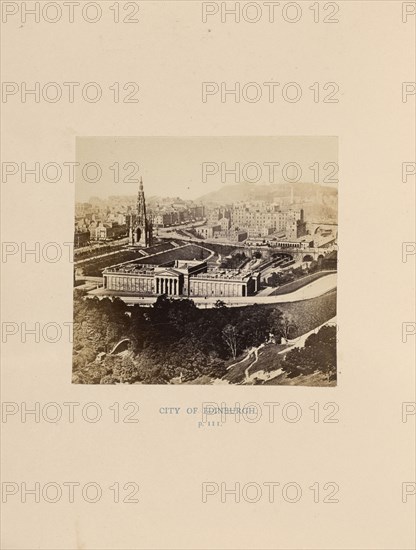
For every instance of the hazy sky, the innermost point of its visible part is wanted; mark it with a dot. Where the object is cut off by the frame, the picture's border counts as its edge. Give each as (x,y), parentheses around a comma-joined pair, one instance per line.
(174,166)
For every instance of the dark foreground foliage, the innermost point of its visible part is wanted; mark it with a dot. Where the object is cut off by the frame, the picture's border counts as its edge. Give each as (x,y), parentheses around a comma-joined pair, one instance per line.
(175,342)
(318,355)
(173,339)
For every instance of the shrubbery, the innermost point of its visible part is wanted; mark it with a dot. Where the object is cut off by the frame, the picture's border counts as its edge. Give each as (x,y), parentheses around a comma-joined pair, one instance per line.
(171,339)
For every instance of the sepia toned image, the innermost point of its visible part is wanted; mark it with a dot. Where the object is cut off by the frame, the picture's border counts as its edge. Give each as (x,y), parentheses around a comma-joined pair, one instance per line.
(208,261)
(187,362)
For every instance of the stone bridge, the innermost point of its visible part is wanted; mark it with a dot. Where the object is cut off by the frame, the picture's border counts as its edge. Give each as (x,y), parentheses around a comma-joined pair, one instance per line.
(306,254)
(122,345)
(309,254)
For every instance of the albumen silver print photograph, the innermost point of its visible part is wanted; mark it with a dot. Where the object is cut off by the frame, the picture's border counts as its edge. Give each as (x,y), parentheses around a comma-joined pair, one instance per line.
(206,260)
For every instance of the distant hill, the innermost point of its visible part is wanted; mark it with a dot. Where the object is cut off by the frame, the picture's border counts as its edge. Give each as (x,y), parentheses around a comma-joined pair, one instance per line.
(258,192)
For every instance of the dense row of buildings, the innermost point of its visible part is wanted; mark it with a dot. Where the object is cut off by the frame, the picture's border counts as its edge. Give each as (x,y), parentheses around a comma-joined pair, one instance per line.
(175,214)
(251,220)
(99,231)
(97,223)
(234,223)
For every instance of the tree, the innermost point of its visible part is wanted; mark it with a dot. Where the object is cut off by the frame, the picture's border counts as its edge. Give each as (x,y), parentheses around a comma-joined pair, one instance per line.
(255,324)
(273,279)
(318,355)
(126,371)
(230,336)
(162,302)
(313,266)
(287,325)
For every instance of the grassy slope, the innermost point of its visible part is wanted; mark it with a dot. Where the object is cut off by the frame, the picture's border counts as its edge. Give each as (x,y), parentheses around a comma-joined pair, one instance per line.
(308,315)
(303,281)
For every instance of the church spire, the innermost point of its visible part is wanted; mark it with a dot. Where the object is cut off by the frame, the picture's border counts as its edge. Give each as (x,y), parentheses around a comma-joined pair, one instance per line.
(141,227)
(141,204)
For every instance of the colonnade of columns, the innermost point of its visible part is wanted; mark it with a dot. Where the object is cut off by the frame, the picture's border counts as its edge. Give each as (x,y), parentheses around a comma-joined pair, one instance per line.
(217,288)
(167,285)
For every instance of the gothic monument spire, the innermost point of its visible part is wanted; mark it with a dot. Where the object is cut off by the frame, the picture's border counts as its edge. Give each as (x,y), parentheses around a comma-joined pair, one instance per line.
(140,232)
